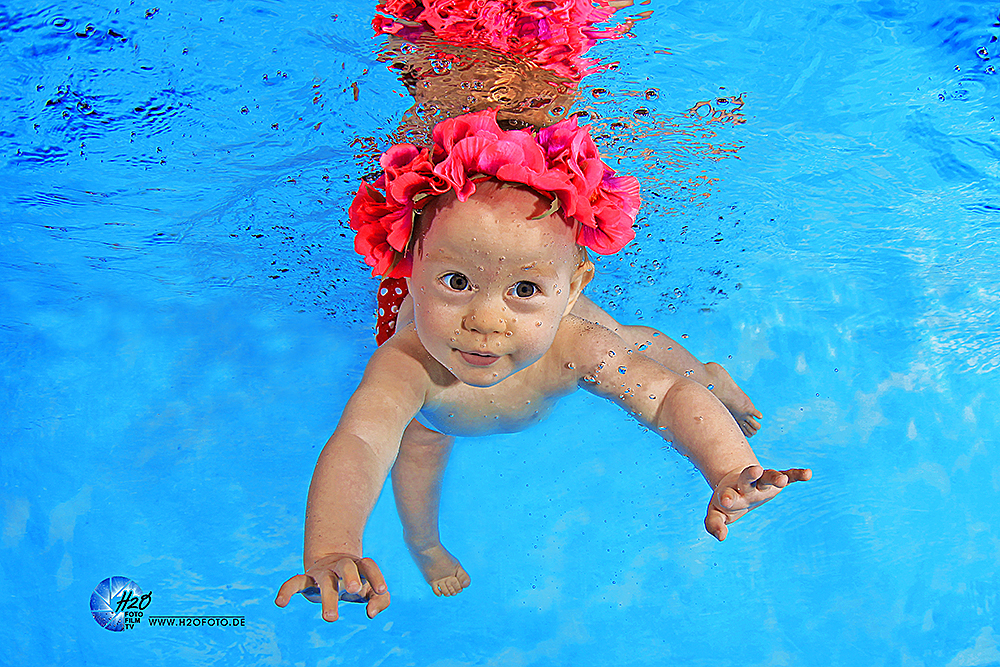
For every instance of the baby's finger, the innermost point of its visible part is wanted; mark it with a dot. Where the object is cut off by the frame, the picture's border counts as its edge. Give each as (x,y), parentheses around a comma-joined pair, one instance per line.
(297,583)
(798,474)
(331,596)
(727,497)
(347,570)
(370,571)
(748,479)
(715,524)
(772,478)
(376,604)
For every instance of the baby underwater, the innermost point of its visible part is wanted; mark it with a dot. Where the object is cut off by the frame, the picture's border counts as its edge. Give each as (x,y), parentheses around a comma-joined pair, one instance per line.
(483,240)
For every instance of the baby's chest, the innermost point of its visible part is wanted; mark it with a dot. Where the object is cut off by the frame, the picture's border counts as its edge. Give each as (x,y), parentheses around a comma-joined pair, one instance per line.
(503,408)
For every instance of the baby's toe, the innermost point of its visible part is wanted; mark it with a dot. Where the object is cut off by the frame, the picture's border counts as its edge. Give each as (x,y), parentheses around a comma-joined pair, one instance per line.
(445,586)
(749,426)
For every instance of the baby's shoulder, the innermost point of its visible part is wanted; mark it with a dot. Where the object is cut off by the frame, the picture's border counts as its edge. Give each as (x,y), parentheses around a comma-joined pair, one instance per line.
(404,357)
(587,346)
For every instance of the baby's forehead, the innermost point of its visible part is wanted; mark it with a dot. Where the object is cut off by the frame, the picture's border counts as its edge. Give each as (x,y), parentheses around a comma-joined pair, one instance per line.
(504,210)
(528,256)
(504,199)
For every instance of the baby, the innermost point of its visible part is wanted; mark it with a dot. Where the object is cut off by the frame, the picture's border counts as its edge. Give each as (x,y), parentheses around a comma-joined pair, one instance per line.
(488,229)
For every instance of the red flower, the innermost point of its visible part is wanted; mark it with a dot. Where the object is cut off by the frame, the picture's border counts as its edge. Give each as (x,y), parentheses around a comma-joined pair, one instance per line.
(561,161)
(553,34)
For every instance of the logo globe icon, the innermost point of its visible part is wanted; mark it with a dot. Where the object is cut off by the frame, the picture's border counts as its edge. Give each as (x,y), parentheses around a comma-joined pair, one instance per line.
(104,602)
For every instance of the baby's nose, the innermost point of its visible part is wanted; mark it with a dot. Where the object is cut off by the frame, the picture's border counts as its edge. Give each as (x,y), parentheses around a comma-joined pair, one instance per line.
(488,317)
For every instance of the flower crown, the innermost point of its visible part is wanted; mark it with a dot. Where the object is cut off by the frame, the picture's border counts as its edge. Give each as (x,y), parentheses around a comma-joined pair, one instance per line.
(560,160)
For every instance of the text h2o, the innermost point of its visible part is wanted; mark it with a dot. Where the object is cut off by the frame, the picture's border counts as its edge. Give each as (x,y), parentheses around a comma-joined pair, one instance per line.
(131,602)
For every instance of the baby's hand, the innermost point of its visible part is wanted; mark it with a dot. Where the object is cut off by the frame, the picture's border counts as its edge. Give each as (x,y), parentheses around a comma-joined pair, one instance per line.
(361,579)
(742,490)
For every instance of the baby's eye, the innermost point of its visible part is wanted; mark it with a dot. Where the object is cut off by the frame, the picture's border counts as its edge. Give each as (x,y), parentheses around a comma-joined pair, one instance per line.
(456,281)
(524,289)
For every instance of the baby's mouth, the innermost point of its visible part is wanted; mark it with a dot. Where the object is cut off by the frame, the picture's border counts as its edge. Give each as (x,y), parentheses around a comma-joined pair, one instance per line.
(478,359)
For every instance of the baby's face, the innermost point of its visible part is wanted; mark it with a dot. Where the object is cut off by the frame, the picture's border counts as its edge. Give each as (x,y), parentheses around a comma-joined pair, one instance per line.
(490,286)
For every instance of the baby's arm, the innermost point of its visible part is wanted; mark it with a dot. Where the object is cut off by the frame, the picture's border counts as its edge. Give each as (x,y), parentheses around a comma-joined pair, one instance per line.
(686,413)
(348,478)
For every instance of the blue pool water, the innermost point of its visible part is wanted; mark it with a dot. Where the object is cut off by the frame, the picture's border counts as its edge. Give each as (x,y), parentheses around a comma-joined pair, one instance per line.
(182,319)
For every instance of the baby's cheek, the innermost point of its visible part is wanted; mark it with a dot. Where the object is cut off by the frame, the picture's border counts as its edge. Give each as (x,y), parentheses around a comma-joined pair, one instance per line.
(542,335)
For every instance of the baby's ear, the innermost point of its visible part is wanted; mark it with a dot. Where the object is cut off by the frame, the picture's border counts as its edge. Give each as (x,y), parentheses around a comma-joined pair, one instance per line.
(581,278)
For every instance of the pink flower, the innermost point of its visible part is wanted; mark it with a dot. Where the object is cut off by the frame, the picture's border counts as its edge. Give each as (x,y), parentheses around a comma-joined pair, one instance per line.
(561,161)
(553,34)
(614,205)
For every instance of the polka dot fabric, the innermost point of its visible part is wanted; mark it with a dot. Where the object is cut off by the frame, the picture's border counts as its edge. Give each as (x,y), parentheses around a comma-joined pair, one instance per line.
(391,293)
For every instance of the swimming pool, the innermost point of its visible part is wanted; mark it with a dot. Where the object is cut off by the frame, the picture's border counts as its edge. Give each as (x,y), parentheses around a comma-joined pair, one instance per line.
(182,318)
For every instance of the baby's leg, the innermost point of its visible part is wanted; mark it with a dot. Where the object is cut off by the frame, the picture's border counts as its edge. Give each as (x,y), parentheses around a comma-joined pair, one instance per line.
(663,349)
(416,485)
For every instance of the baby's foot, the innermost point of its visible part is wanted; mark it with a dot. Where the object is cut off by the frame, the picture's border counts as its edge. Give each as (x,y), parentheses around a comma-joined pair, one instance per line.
(441,570)
(738,403)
